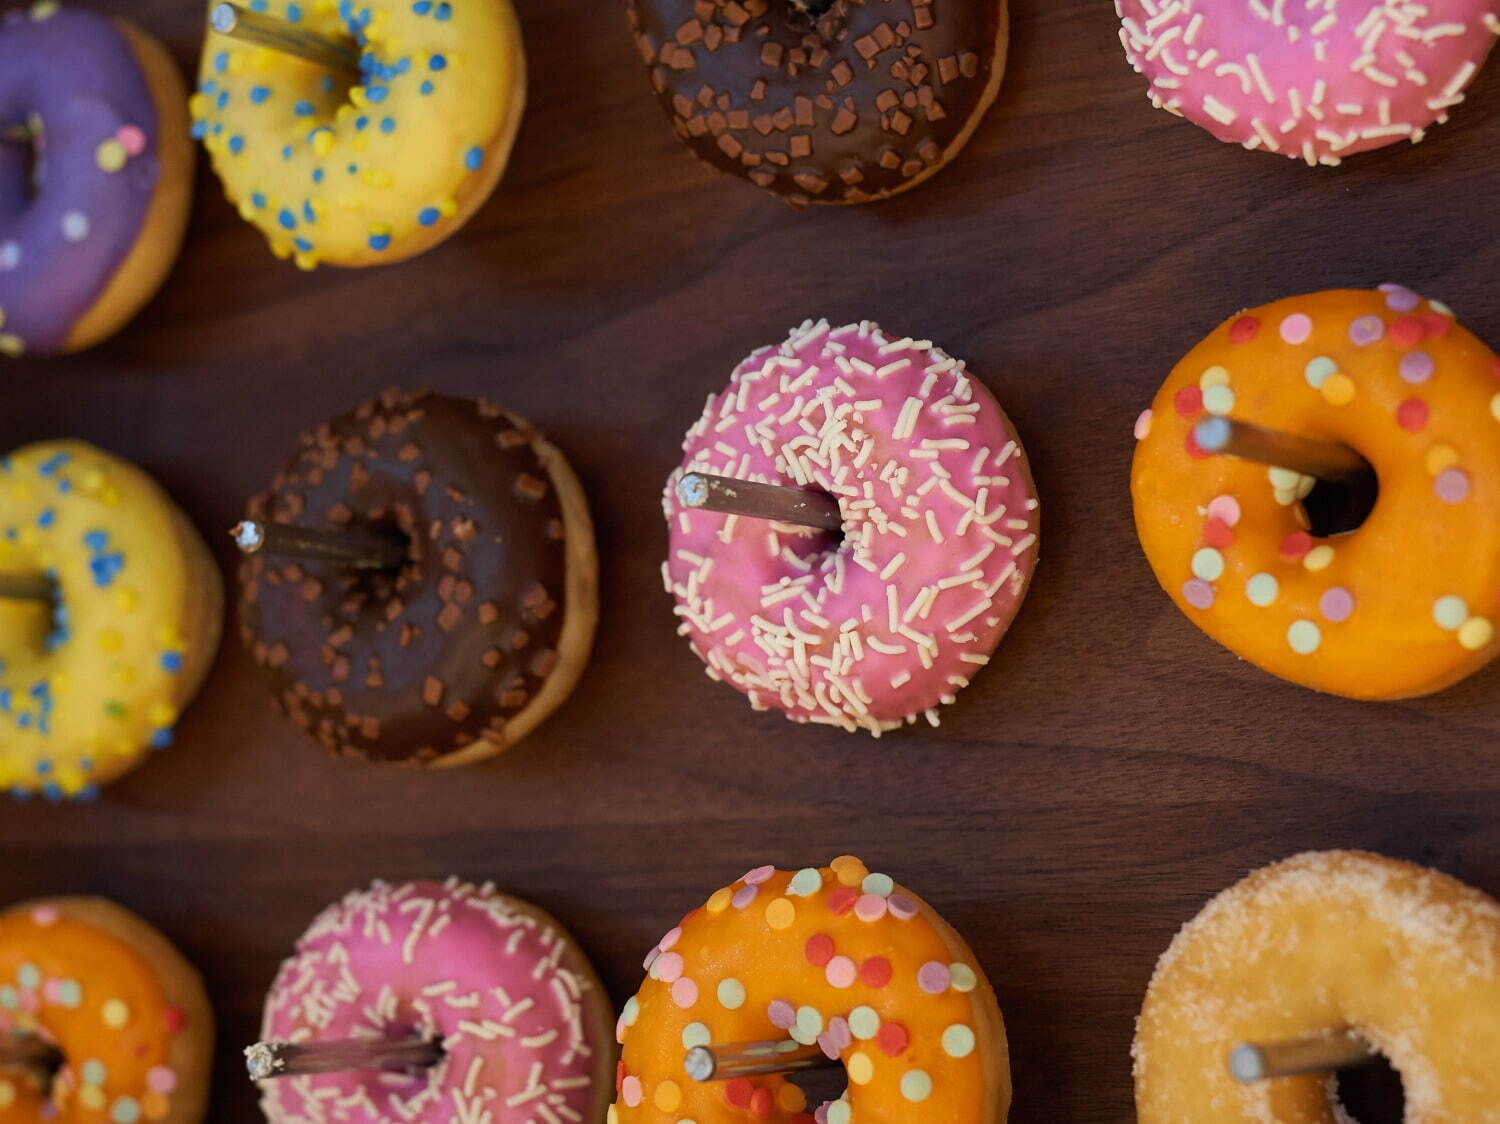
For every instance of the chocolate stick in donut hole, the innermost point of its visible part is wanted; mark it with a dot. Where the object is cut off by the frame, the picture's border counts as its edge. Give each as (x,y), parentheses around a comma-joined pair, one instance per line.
(358,549)
(262,30)
(753,1059)
(28,1052)
(291,1059)
(1325,460)
(1296,1057)
(702,491)
(25,587)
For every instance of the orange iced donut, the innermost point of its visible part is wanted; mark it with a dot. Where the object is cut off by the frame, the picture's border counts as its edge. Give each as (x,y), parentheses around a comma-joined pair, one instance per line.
(126,1012)
(1403,605)
(840,957)
(1406,958)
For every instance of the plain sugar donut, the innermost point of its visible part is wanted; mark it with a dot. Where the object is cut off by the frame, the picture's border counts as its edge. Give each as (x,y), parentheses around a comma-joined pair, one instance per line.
(1402,606)
(1406,957)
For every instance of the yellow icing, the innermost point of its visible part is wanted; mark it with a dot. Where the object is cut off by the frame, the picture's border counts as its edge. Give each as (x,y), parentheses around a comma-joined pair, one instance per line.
(372,173)
(87,685)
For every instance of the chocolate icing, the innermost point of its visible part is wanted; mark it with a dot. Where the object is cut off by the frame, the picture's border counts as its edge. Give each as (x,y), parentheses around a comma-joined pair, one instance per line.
(841,107)
(72,72)
(412,666)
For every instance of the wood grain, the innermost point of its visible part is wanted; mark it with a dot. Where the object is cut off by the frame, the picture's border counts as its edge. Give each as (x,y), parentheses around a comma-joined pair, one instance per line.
(1108,772)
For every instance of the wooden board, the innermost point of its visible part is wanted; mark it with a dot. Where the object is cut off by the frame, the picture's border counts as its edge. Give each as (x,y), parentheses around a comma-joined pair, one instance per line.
(1108,772)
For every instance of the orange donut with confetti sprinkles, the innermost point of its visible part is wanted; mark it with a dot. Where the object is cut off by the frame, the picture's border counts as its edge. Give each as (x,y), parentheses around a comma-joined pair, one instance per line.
(1315,486)
(102,1021)
(790,970)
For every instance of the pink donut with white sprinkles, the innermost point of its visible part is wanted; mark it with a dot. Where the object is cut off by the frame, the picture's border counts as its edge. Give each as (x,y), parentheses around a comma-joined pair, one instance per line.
(1315,80)
(522,1019)
(878,626)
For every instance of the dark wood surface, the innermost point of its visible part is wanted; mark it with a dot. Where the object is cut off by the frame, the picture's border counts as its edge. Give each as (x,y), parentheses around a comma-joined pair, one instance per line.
(1109,771)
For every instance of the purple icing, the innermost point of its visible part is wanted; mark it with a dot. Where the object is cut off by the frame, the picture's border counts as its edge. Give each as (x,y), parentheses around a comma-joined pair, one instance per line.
(74,72)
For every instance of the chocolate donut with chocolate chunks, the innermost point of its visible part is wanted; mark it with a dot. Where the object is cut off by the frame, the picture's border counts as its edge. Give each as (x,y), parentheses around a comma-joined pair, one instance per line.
(819,102)
(485,627)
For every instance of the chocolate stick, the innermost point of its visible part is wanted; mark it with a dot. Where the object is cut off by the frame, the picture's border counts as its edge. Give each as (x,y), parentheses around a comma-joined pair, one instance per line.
(290,1059)
(760,501)
(1321,1053)
(25,587)
(753,1059)
(1327,460)
(27,1051)
(267,31)
(350,546)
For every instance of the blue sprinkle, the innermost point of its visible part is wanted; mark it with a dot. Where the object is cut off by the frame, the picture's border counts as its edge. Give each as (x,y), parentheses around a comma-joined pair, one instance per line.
(317,175)
(387,124)
(258,5)
(221,61)
(403,66)
(44,767)
(50,466)
(474,158)
(428,216)
(161,738)
(444,11)
(353,168)
(21,794)
(286,152)
(361,121)
(96,540)
(46,518)
(303,244)
(257,200)
(171,662)
(210,85)
(223,99)
(307,212)
(199,128)
(52,792)
(379,241)
(24,721)
(422,7)
(438,62)
(218,127)
(88,793)
(364,17)
(65,485)
(303,109)
(287,219)
(236,144)
(425,87)
(259,94)
(376,94)
(327,83)
(294,13)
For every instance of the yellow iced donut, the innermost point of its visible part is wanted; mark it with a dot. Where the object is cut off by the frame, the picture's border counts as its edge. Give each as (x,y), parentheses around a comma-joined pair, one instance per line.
(93,678)
(344,174)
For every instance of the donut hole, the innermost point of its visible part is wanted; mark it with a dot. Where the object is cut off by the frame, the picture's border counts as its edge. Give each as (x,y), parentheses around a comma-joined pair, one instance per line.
(1337,507)
(31,1060)
(822,1086)
(1369,1094)
(20,160)
(813,8)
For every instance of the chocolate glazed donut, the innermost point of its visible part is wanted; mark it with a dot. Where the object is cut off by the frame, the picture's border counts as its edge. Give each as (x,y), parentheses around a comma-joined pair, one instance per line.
(845,102)
(485,629)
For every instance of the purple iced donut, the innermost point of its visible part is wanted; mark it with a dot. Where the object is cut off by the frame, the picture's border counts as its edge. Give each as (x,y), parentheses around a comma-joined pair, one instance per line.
(95,176)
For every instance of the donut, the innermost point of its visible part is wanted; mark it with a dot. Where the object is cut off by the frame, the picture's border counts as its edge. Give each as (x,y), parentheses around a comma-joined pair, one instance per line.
(523,1021)
(485,630)
(839,957)
(96,174)
(94,678)
(878,626)
(817,102)
(1315,81)
(371,173)
(1405,957)
(1402,606)
(118,1002)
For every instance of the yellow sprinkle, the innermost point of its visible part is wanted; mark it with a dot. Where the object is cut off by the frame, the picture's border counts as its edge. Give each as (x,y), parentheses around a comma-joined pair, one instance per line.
(214,145)
(318,208)
(155,1106)
(91,1097)
(92,480)
(849,870)
(349,203)
(1475,633)
(247,210)
(11,345)
(344,114)
(115,1013)
(122,675)
(668,1096)
(360,142)
(307,261)
(377,177)
(70,779)
(110,640)
(281,249)
(719,901)
(1318,558)
(43,9)
(780,914)
(237,63)
(110,155)
(109,495)
(127,600)
(1440,457)
(1338,389)
(357,96)
(860,1067)
(169,636)
(264,59)
(198,105)
(612,1115)
(1214,376)
(59,682)
(2,317)
(790,1099)
(322,142)
(448,207)
(162,714)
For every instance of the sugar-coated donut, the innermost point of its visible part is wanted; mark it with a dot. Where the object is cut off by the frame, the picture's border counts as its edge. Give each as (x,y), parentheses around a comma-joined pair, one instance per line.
(939,536)
(1405,957)
(858,102)
(485,630)
(1405,604)
(93,680)
(523,1021)
(96,176)
(1315,80)
(840,957)
(127,1013)
(368,174)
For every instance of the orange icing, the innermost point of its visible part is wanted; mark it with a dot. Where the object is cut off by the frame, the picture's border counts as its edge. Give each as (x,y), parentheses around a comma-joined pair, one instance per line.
(102,1005)
(861,966)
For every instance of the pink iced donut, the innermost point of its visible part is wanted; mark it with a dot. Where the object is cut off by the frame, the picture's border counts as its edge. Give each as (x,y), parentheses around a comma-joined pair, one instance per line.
(1310,79)
(525,1025)
(939,535)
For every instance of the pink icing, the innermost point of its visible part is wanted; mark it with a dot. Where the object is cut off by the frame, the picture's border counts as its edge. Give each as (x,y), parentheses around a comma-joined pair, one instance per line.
(940,530)
(1310,79)
(453,962)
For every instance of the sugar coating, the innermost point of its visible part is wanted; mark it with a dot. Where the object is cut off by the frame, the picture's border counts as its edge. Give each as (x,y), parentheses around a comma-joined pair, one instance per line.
(1404,956)
(939,538)
(505,993)
(1315,80)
